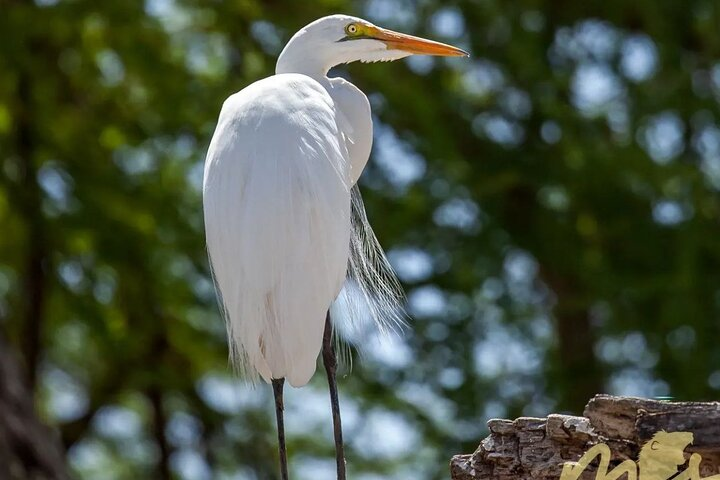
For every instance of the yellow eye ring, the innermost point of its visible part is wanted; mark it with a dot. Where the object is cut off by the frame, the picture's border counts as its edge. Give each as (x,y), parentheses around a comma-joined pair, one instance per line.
(351,29)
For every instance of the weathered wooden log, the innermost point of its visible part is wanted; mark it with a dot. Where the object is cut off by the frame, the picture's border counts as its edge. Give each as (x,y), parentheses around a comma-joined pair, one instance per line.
(539,448)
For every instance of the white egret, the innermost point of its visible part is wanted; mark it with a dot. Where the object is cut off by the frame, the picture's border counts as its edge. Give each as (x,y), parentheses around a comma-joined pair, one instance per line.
(284,224)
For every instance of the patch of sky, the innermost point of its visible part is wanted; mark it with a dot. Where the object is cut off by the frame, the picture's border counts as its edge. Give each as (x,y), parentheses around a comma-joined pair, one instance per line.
(172,16)
(638,57)
(420,64)
(398,14)
(635,350)
(72,274)
(412,264)
(504,352)
(182,147)
(441,410)
(589,38)
(184,430)
(630,349)
(539,406)
(459,306)
(510,388)
(117,422)
(451,378)
(57,185)
(635,382)
(671,212)
(239,473)
(487,315)
(111,67)
(662,137)
(541,328)
(307,409)
(492,289)
(378,102)
(597,38)
(397,160)
(352,314)
(706,142)
(390,351)
(427,301)
(189,464)
(224,395)
(385,435)
(268,36)
(482,78)
(520,273)
(437,332)
(460,213)
(595,88)
(494,409)
(499,129)
(618,119)
(448,22)
(67,397)
(711,170)
(134,160)
(515,103)
(520,267)
(303,466)
(55,182)
(105,285)
(93,459)
(207,54)
(159,8)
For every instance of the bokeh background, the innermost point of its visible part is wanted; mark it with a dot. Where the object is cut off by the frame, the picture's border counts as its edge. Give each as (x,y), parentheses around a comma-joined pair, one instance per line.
(551,205)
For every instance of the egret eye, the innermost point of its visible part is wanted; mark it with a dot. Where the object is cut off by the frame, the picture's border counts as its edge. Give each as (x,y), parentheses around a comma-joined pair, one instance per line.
(351,29)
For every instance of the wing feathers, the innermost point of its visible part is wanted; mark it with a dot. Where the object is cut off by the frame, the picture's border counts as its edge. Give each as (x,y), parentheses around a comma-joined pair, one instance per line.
(284,226)
(277,213)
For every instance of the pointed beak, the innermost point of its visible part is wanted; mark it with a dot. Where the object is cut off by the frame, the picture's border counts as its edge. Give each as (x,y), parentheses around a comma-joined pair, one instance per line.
(415,45)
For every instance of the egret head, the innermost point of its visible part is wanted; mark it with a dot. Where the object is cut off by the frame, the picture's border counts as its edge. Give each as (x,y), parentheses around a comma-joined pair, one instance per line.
(338,39)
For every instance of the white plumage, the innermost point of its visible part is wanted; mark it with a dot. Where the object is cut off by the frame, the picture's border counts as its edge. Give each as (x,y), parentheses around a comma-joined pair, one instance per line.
(277,215)
(283,221)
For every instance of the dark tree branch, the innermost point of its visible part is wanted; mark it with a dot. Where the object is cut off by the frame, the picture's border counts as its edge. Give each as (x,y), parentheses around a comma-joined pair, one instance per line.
(28,449)
(580,375)
(29,204)
(159,424)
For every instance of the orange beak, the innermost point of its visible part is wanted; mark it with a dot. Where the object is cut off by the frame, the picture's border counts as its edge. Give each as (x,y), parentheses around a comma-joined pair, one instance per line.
(414,45)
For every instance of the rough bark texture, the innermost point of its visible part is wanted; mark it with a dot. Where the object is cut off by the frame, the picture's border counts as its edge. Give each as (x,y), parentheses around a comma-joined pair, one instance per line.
(537,448)
(28,449)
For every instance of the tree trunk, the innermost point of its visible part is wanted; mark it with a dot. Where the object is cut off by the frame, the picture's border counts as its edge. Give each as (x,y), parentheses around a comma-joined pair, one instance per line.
(538,448)
(28,449)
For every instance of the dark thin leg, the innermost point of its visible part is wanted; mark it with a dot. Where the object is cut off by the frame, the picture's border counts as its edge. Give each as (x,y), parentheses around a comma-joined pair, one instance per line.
(279,407)
(330,361)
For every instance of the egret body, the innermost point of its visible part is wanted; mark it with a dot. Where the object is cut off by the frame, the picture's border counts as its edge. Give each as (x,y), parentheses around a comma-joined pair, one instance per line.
(284,225)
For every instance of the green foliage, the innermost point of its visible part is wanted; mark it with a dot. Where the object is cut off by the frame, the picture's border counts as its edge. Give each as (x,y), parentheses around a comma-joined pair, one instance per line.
(551,205)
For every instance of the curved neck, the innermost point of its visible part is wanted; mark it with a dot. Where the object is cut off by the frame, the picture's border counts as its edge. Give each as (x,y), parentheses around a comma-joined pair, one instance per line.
(301,57)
